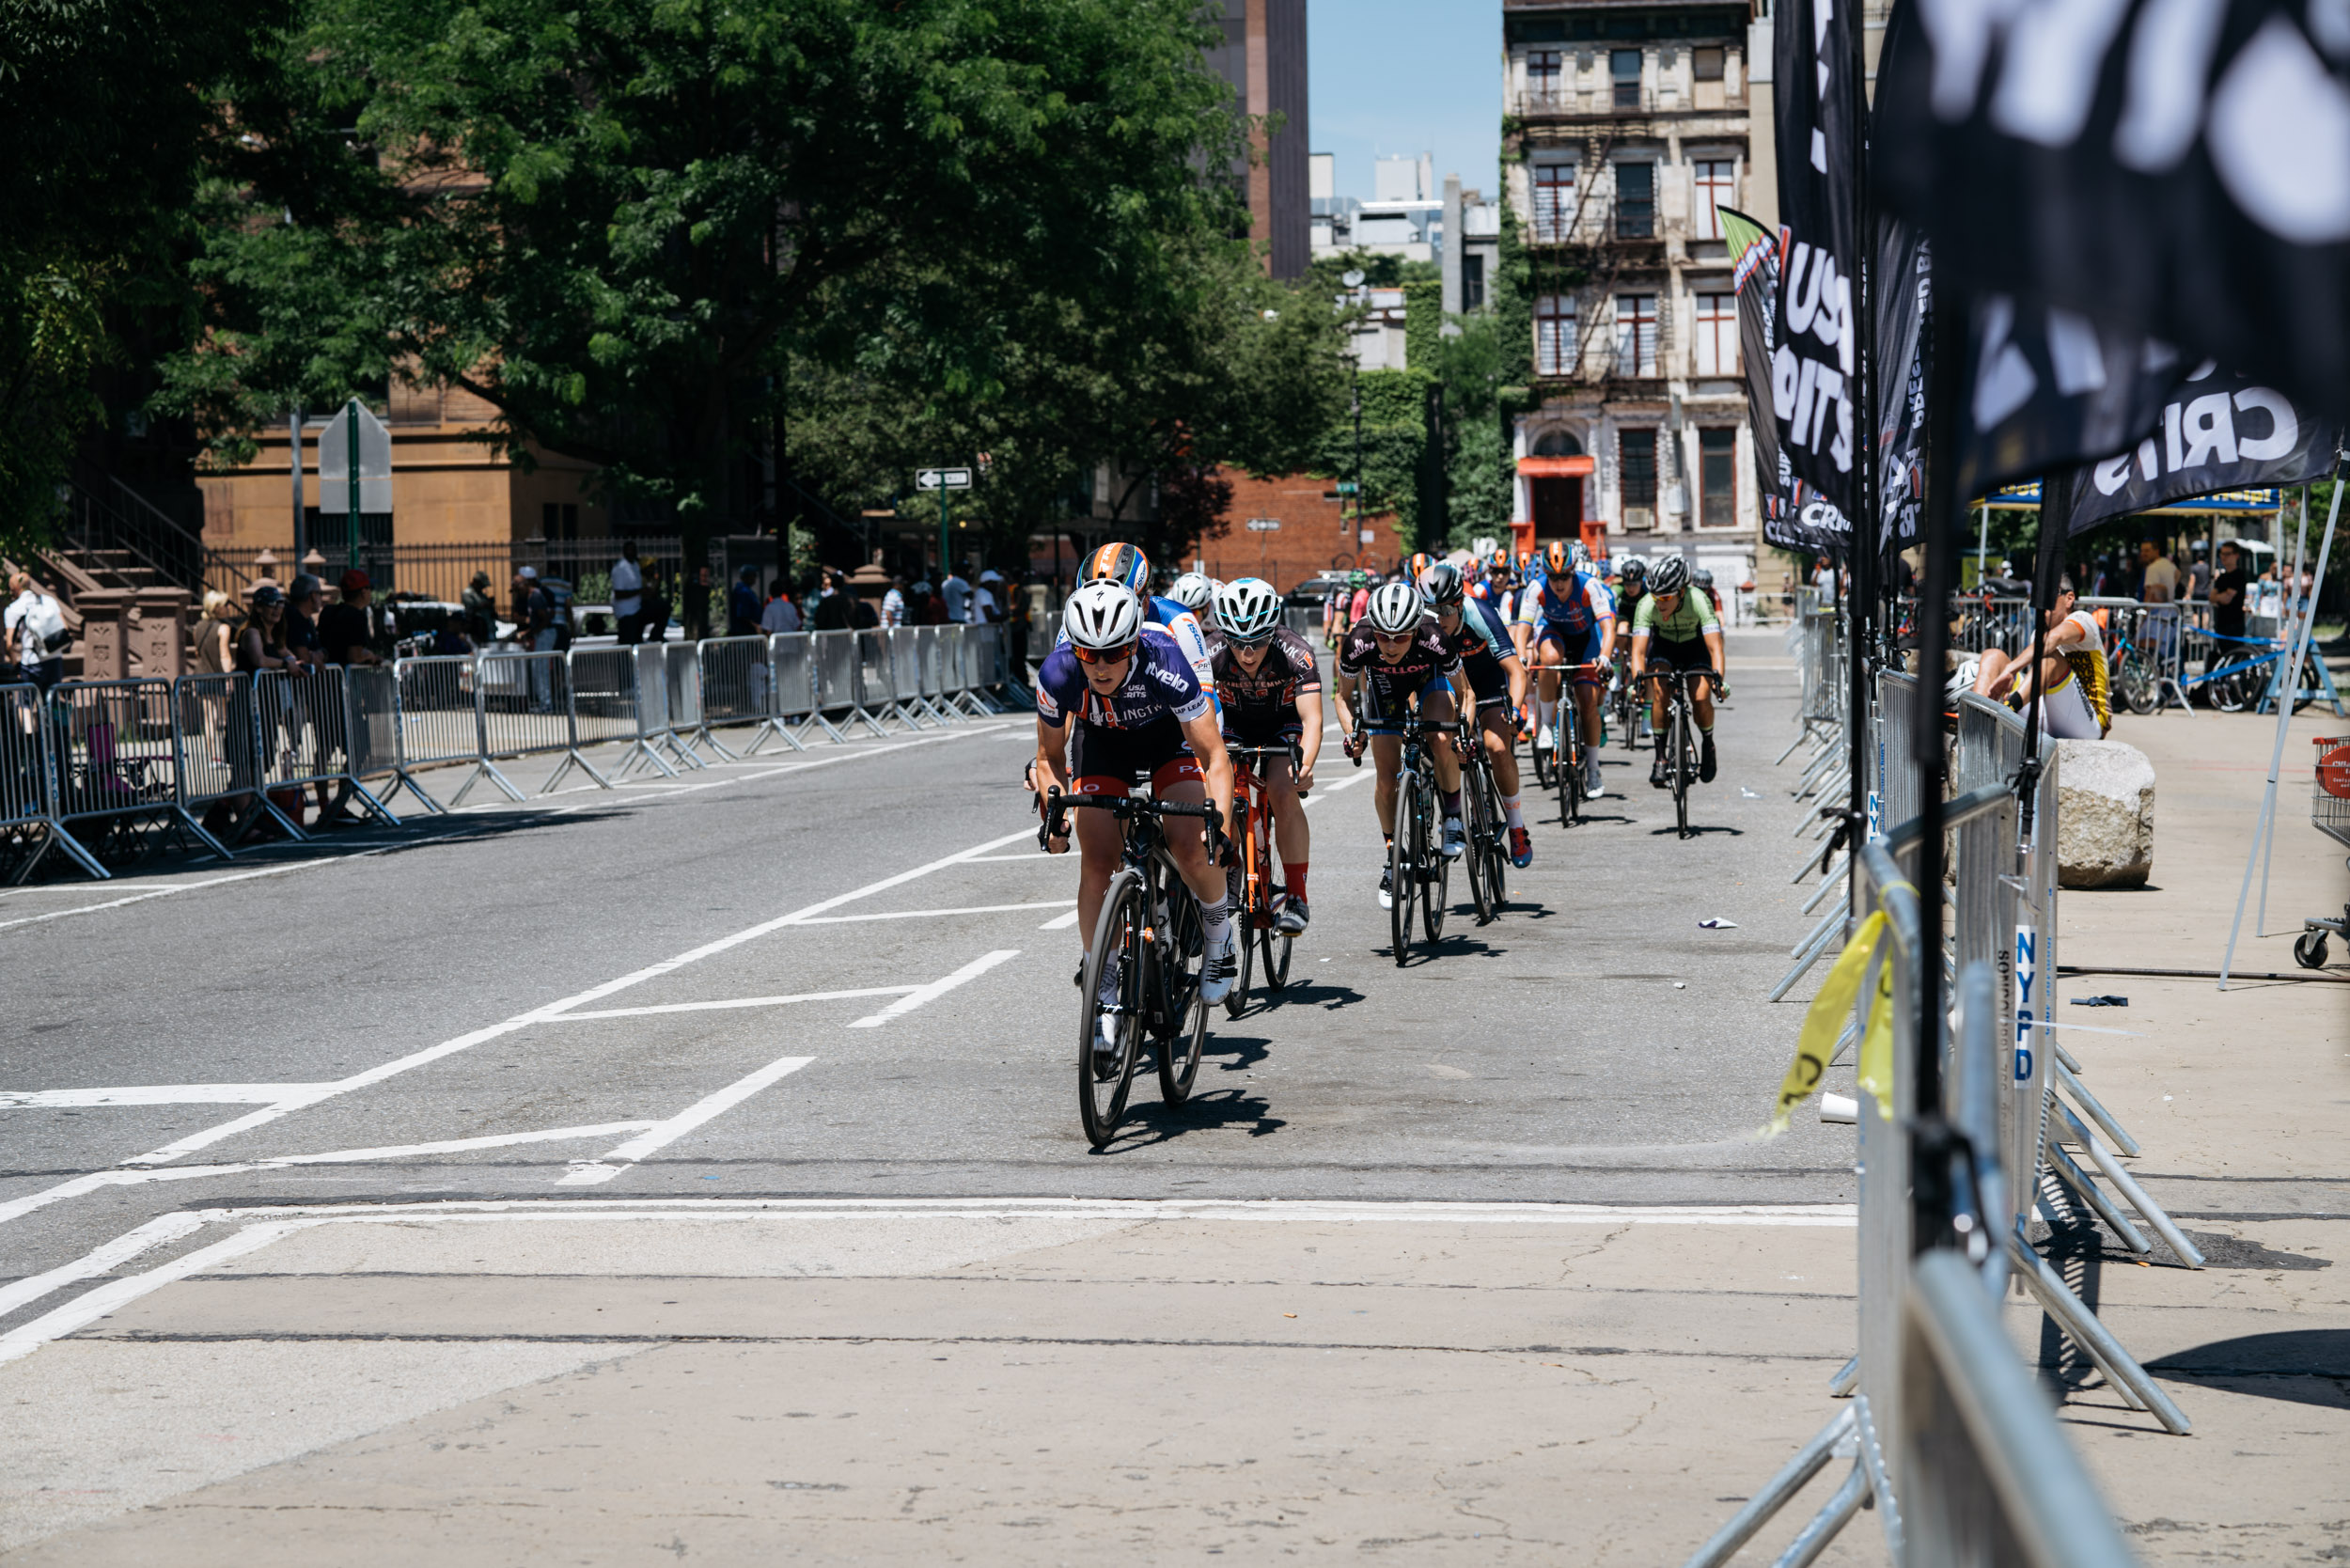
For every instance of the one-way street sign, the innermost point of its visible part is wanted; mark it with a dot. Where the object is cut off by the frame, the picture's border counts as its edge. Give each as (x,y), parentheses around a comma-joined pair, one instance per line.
(942,479)
(1264,525)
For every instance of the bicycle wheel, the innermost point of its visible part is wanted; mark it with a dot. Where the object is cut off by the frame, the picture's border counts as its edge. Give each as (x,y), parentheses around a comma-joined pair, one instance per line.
(1178,1010)
(1102,1089)
(1274,946)
(1243,884)
(1480,829)
(1403,872)
(1543,765)
(1570,767)
(1435,892)
(2136,684)
(1683,769)
(1497,850)
(2228,693)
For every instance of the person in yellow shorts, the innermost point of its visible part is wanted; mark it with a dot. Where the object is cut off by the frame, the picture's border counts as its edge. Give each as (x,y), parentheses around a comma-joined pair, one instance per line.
(2074,704)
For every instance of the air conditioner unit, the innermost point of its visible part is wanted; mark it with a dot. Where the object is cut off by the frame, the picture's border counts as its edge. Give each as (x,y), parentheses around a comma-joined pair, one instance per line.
(1639,519)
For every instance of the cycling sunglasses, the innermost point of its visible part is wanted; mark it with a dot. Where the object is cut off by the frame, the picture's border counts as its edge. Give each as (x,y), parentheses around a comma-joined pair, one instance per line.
(1258,640)
(1392,639)
(1103,655)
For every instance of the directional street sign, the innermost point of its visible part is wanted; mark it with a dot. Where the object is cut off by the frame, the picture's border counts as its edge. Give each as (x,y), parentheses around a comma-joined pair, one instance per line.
(1264,525)
(1346,487)
(942,479)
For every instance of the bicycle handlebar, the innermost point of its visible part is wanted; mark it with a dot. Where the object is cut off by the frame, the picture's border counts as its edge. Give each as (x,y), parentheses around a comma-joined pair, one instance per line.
(1124,807)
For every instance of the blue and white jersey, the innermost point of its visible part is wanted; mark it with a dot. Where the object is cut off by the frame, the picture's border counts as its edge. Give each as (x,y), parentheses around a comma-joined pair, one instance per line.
(1573,603)
(1480,640)
(1159,681)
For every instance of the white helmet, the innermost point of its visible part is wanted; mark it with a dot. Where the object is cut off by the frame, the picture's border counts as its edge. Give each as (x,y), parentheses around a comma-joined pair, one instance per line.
(1396,608)
(1194,592)
(1247,609)
(1102,614)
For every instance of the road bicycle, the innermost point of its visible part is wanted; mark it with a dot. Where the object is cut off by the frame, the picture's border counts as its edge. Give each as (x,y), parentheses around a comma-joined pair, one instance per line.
(1571,747)
(2131,674)
(1416,873)
(1486,827)
(1150,938)
(1624,700)
(1681,735)
(1257,893)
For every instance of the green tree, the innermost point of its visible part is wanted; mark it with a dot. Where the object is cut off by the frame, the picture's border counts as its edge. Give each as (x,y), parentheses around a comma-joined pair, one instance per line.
(626,224)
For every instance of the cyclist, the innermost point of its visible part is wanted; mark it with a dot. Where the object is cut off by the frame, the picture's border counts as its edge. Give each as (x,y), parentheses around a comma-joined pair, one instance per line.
(1497,676)
(1677,628)
(1196,592)
(1139,712)
(1631,587)
(1272,688)
(1398,654)
(1128,567)
(1571,617)
(1417,568)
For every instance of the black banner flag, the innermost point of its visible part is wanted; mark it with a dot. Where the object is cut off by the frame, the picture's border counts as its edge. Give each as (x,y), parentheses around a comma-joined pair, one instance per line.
(1794,518)
(2174,169)
(2215,432)
(1904,305)
(1814,377)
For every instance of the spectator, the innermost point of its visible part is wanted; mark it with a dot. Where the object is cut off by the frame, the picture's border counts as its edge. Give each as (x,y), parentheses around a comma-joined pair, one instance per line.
(2159,585)
(742,605)
(2198,574)
(36,632)
(216,635)
(984,608)
(263,645)
(450,640)
(780,615)
(893,604)
(955,594)
(1019,628)
(534,612)
(627,595)
(343,629)
(861,612)
(930,609)
(482,612)
(831,611)
(303,604)
(697,604)
(657,610)
(2229,590)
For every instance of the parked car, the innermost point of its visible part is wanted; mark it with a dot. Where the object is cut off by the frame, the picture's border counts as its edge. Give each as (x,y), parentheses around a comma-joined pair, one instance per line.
(1314,590)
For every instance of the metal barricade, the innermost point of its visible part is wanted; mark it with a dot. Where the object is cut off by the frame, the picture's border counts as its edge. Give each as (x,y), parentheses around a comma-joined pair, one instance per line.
(302,721)
(840,682)
(889,666)
(219,752)
(371,724)
(737,688)
(441,723)
(682,701)
(28,786)
(791,685)
(610,690)
(526,705)
(954,675)
(929,661)
(1896,780)
(112,766)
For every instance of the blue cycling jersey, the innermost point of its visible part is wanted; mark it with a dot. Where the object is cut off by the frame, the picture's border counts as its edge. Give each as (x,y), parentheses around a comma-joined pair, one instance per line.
(1481,638)
(1159,683)
(1572,611)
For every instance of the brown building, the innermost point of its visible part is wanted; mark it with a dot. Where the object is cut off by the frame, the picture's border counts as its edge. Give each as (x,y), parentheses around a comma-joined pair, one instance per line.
(1314,536)
(1263,56)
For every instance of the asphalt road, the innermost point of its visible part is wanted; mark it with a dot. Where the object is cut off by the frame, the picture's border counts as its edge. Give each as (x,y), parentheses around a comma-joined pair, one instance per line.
(606,971)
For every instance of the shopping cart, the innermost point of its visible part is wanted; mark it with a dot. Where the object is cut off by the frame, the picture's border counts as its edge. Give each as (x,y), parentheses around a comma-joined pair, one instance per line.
(2329,809)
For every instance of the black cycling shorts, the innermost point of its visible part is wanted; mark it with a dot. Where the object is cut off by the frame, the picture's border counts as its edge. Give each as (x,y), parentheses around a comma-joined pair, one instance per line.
(1284,729)
(1681,653)
(1107,762)
(1488,681)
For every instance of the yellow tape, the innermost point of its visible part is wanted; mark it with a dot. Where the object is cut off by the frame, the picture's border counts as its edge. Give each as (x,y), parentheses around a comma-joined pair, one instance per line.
(1824,1021)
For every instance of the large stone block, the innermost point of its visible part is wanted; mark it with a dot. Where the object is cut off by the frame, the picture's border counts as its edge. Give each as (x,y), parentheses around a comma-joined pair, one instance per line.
(2105,814)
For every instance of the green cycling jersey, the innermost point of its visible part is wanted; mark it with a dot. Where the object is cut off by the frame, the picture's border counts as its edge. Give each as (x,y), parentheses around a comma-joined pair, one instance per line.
(1693,616)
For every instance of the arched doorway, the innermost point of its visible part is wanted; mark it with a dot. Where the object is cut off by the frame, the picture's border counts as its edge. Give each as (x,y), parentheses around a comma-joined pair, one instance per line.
(1557,503)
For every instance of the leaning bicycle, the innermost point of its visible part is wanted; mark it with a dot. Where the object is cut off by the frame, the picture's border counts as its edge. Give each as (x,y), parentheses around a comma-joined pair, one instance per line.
(1150,943)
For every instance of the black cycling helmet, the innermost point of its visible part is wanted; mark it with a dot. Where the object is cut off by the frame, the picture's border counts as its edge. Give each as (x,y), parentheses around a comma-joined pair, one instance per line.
(1440,585)
(1670,574)
(1633,569)
(1704,578)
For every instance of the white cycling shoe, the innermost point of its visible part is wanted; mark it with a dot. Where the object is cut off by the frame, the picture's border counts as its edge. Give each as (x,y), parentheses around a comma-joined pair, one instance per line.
(1590,776)
(1455,839)
(1217,968)
(1545,740)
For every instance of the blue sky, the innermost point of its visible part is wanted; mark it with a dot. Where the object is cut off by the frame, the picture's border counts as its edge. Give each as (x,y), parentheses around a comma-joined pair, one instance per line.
(1389,77)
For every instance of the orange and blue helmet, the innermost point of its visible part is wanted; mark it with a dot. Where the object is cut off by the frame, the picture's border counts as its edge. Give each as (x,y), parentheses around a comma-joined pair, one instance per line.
(1417,566)
(1556,560)
(1117,563)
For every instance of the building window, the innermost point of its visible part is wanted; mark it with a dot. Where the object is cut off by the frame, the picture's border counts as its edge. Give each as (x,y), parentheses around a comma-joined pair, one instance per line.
(1541,78)
(1635,477)
(1635,201)
(1554,203)
(1706,65)
(1715,187)
(1717,334)
(559,519)
(1636,334)
(1473,280)
(1717,478)
(1553,336)
(1623,64)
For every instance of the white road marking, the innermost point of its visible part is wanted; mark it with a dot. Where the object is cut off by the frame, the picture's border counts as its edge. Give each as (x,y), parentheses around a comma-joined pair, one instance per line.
(737,1002)
(102,1259)
(152,1094)
(999,859)
(1059,923)
(937,988)
(1323,792)
(660,1134)
(92,1305)
(538,1014)
(770,772)
(924,913)
(146,893)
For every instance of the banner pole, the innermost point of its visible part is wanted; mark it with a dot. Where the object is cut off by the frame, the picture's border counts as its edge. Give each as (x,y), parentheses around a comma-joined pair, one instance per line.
(1866,526)
(2284,693)
(2297,648)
